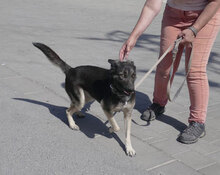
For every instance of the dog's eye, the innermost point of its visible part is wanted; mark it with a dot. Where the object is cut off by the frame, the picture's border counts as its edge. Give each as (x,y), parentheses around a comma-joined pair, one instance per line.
(123,75)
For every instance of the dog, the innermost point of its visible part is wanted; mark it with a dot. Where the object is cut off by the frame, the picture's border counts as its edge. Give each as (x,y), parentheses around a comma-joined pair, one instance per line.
(113,88)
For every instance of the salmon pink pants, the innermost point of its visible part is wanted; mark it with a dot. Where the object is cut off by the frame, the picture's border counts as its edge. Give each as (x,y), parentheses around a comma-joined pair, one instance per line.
(174,21)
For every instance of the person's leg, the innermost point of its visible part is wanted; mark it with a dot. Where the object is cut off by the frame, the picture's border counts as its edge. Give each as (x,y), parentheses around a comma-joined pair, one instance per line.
(197,81)
(169,33)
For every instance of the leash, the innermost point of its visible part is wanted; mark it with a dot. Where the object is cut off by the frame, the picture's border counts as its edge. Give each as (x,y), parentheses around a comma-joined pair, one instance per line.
(174,53)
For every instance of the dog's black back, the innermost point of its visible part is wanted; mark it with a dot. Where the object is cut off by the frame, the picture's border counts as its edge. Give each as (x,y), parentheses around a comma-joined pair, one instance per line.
(94,80)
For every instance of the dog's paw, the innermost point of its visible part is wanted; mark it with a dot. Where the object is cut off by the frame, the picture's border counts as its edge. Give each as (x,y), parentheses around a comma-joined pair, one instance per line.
(130,151)
(111,130)
(74,127)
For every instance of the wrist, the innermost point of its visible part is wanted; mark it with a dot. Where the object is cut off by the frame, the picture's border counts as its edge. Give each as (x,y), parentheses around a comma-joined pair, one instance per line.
(194,30)
(133,37)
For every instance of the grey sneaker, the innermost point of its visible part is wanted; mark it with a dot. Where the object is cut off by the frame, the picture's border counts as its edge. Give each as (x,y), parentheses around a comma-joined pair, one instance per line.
(153,111)
(192,133)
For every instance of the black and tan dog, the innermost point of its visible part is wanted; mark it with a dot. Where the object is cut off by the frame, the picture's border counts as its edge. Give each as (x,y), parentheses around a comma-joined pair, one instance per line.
(113,89)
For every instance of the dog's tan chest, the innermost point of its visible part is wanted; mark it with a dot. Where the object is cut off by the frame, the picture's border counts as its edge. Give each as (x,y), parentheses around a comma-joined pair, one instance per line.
(121,106)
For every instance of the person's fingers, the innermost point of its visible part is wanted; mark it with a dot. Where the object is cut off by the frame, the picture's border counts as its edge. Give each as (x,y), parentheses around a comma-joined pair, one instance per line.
(126,55)
(181,35)
(122,52)
(187,37)
(125,50)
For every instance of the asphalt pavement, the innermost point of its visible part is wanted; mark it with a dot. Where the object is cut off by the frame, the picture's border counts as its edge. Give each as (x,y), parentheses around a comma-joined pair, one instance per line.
(34,135)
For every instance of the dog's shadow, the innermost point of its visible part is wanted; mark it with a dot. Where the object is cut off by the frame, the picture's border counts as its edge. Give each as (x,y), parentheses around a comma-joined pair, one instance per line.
(143,101)
(91,126)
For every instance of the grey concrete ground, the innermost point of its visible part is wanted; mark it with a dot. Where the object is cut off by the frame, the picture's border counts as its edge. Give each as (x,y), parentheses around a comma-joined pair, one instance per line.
(34,136)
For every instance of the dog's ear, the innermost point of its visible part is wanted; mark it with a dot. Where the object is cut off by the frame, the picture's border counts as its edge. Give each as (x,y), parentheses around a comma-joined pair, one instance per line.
(113,63)
(131,62)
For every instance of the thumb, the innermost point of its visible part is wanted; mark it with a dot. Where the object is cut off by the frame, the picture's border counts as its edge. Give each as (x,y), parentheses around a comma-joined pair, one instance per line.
(181,35)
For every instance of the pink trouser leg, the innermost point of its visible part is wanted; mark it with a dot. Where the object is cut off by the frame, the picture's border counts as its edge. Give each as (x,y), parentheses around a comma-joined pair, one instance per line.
(197,80)
(163,69)
(173,22)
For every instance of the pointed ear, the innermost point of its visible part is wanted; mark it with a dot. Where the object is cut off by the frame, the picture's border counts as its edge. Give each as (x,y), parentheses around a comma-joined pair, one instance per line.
(132,62)
(113,63)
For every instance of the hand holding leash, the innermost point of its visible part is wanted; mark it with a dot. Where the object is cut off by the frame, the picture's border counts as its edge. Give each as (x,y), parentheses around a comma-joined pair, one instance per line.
(188,35)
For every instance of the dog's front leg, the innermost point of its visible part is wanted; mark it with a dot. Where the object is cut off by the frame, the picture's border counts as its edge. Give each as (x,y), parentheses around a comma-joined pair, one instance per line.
(127,120)
(114,126)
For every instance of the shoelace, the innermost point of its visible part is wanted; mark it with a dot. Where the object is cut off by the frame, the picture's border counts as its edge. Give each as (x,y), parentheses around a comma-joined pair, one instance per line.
(192,127)
(189,129)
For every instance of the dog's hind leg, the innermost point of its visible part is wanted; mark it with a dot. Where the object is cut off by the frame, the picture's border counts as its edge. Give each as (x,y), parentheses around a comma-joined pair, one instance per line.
(127,119)
(69,112)
(75,108)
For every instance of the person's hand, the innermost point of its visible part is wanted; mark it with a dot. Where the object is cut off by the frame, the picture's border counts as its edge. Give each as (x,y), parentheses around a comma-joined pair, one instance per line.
(126,48)
(188,37)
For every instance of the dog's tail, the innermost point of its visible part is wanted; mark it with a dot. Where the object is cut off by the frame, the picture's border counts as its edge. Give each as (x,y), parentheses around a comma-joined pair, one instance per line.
(53,57)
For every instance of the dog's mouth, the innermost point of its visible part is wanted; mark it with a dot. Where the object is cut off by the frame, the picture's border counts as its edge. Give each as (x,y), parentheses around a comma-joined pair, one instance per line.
(126,92)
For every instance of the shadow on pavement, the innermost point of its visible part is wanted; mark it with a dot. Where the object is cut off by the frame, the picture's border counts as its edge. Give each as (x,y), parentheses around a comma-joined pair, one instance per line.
(121,36)
(143,101)
(180,126)
(89,125)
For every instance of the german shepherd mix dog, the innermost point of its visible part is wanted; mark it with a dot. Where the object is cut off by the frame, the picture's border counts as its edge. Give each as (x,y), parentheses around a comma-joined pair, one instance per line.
(113,89)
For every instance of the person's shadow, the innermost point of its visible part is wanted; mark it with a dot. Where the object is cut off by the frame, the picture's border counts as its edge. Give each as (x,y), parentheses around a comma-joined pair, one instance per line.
(89,125)
(143,101)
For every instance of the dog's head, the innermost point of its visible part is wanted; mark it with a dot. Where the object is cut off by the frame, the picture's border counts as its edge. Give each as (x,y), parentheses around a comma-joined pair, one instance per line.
(123,75)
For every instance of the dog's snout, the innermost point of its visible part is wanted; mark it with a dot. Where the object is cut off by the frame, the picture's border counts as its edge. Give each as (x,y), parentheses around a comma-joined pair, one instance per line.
(129,90)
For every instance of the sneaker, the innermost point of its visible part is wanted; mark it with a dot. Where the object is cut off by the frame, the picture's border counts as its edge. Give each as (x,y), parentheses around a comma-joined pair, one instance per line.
(192,133)
(152,112)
